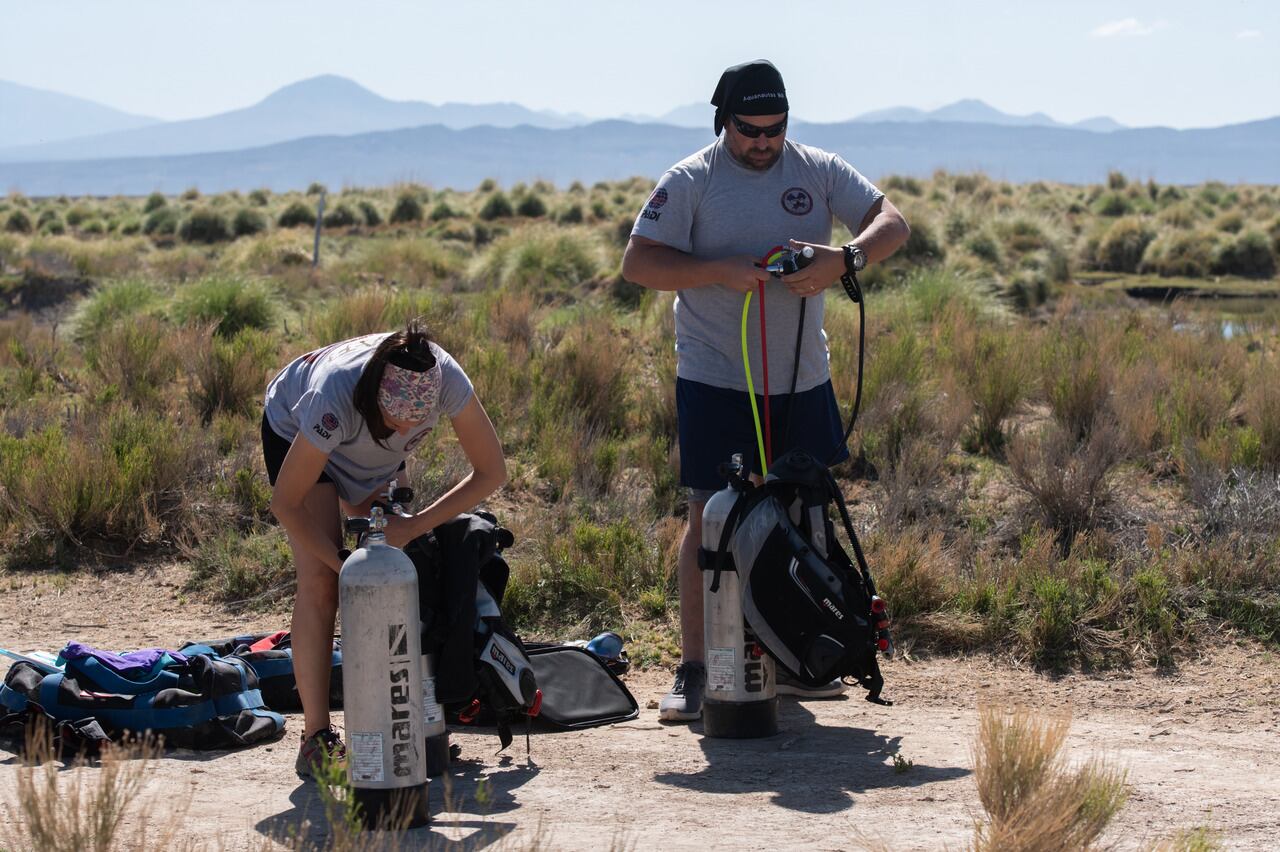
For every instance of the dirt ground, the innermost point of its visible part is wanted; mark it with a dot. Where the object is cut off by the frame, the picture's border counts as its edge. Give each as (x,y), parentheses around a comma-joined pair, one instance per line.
(1201,747)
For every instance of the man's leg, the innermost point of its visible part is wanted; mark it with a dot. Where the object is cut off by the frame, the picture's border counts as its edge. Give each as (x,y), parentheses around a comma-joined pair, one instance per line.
(684,702)
(691,638)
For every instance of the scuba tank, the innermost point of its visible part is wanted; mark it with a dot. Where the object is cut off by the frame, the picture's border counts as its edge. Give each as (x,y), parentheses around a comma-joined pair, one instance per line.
(382,681)
(741,695)
(433,721)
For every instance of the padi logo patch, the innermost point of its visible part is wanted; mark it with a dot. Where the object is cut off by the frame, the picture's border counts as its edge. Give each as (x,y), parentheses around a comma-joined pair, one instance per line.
(834,609)
(321,431)
(656,201)
(797,201)
(329,421)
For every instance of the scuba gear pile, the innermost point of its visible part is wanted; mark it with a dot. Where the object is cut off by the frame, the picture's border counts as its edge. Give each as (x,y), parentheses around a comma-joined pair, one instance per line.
(791,592)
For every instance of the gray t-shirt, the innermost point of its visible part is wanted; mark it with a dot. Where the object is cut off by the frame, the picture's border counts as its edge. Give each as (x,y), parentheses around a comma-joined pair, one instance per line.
(710,206)
(313,397)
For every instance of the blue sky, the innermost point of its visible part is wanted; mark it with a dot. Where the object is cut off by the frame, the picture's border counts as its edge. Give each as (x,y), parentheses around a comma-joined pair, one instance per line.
(1176,62)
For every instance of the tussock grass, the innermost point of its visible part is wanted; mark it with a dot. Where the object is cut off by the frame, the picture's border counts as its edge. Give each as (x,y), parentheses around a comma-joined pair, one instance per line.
(1032,798)
(84,807)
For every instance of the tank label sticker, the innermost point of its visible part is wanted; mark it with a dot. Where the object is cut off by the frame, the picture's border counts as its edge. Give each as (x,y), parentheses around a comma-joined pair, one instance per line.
(366,757)
(430,708)
(721,666)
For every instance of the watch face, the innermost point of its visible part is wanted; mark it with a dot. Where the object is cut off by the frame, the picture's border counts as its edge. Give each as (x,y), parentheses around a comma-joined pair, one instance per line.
(859,259)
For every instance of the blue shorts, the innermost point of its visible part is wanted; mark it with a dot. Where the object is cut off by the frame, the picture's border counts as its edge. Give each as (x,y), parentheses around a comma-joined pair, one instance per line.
(715,423)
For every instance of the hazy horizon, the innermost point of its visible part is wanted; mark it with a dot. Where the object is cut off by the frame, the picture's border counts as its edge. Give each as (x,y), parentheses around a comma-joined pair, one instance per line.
(1140,63)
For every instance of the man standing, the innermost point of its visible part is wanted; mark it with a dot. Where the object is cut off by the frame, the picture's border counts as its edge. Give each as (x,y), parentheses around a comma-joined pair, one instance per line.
(702,233)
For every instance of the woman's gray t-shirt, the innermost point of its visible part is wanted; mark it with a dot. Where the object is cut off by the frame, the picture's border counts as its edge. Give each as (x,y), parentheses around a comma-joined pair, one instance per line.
(313,397)
(710,206)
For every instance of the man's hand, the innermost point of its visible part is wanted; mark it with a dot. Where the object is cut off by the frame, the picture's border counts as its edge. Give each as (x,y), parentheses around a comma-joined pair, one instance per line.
(826,267)
(740,273)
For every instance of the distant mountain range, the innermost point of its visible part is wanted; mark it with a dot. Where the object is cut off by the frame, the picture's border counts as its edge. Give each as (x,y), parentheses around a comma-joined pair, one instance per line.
(30,116)
(319,106)
(332,130)
(976,112)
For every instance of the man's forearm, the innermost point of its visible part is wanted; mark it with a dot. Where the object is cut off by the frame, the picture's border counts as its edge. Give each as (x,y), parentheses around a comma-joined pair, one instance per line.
(665,268)
(885,234)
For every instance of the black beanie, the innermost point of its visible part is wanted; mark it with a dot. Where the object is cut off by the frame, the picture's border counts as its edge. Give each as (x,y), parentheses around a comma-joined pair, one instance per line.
(752,88)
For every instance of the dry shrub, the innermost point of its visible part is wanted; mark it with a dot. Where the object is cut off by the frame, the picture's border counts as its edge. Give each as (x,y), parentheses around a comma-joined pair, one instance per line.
(228,373)
(1033,799)
(84,808)
(137,357)
(992,367)
(587,373)
(1139,390)
(1262,412)
(1077,374)
(1066,478)
(914,574)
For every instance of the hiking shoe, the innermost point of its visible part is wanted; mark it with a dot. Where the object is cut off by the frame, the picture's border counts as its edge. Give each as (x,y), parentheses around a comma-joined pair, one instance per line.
(787,685)
(684,702)
(316,749)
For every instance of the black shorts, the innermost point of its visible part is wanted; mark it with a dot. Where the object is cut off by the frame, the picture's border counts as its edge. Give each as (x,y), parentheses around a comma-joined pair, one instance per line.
(714,423)
(274,449)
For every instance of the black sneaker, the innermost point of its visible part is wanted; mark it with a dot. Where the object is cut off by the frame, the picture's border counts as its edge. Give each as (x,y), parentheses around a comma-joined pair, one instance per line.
(684,702)
(315,749)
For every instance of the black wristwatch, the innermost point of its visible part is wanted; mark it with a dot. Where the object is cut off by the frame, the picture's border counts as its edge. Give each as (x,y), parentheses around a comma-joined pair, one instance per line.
(855,259)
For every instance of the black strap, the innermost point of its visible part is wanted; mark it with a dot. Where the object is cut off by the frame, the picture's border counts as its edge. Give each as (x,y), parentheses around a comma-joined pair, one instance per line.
(851,288)
(730,522)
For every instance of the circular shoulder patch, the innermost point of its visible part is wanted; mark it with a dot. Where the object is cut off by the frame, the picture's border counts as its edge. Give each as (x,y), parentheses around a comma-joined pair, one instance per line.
(658,198)
(329,421)
(797,201)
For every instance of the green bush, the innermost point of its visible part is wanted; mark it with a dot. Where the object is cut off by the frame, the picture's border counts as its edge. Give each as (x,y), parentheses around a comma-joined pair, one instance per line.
(1124,244)
(154,202)
(205,225)
(923,244)
(341,216)
(161,222)
(532,207)
(372,217)
(1249,255)
(130,227)
(248,222)
(18,223)
(260,197)
(541,258)
(297,214)
(1181,253)
(408,209)
(116,303)
(496,206)
(442,211)
(317,188)
(190,194)
(76,215)
(1112,204)
(571,214)
(229,304)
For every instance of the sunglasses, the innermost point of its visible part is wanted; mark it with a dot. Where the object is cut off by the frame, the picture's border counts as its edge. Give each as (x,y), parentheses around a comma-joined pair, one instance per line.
(752,131)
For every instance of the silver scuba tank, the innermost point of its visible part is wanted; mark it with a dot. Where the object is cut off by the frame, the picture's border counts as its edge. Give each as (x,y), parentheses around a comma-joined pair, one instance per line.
(382,688)
(433,723)
(741,696)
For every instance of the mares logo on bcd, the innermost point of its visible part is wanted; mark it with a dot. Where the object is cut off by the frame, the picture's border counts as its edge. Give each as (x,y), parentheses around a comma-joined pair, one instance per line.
(655,203)
(797,201)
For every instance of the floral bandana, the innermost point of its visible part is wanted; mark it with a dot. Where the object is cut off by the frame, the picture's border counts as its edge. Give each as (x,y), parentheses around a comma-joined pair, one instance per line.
(408,394)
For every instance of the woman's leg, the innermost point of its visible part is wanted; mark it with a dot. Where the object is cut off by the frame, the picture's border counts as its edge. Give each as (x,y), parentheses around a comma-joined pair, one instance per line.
(314,607)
